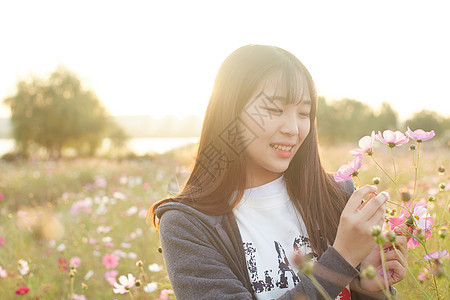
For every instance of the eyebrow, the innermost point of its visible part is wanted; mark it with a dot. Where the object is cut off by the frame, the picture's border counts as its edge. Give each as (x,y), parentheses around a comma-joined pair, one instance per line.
(275,98)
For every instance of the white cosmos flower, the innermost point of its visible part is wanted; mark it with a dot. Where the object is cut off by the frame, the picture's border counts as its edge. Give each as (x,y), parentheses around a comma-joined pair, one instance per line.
(22,266)
(124,285)
(151,287)
(155,268)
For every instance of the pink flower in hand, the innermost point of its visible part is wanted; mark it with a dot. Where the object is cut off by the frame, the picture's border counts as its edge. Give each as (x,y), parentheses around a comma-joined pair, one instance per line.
(346,172)
(420,135)
(436,255)
(420,221)
(110,261)
(365,144)
(391,138)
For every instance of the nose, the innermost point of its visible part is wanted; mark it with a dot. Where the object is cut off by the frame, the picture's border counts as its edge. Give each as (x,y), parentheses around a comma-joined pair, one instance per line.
(289,124)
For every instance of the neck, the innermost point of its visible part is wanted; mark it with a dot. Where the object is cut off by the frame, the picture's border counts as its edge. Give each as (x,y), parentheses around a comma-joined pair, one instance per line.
(254,180)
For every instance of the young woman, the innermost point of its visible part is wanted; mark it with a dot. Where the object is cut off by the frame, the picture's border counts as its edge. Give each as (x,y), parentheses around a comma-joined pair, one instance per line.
(258,194)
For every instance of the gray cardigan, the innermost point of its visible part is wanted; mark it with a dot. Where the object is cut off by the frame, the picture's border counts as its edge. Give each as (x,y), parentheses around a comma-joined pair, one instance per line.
(205,259)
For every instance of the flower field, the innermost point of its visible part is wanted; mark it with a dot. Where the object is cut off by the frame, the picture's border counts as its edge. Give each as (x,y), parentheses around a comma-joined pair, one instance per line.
(72,229)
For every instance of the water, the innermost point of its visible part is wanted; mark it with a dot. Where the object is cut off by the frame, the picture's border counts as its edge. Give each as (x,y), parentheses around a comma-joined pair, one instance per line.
(139,146)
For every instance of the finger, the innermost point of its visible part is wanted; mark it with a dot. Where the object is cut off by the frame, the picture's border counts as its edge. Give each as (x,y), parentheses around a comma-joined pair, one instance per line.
(376,206)
(355,200)
(394,256)
(400,243)
(396,271)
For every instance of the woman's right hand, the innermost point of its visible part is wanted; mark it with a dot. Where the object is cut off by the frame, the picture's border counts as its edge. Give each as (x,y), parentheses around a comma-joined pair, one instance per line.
(354,240)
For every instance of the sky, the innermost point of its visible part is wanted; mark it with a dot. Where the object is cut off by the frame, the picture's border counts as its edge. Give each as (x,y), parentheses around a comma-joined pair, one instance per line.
(160,58)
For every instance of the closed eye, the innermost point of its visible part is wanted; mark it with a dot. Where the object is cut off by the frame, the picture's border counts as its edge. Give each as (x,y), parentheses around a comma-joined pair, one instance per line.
(304,115)
(273,110)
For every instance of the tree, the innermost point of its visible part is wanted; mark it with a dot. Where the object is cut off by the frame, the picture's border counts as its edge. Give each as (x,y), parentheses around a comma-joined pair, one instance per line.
(57,113)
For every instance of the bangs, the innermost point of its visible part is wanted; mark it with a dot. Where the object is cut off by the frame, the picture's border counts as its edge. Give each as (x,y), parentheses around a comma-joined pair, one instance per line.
(291,83)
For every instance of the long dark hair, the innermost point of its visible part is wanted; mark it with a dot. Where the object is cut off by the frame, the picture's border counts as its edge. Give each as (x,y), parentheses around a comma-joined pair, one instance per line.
(218,178)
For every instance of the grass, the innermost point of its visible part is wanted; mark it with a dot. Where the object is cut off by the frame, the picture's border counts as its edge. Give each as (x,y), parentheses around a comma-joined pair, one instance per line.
(55,210)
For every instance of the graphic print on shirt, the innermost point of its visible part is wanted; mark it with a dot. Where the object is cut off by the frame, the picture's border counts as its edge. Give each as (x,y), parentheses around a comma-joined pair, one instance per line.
(283,267)
(285,273)
(258,285)
(303,243)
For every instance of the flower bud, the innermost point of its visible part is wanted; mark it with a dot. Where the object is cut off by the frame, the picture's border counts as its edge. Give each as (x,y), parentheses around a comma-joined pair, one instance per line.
(441,170)
(412,147)
(438,270)
(159,250)
(380,239)
(139,263)
(391,236)
(442,186)
(369,273)
(431,199)
(72,272)
(393,211)
(420,234)
(376,180)
(298,258)
(138,282)
(376,230)
(442,232)
(405,195)
(84,286)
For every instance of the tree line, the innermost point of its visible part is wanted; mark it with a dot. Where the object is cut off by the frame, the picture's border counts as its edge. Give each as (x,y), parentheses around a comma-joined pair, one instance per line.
(348,120)
(57,113)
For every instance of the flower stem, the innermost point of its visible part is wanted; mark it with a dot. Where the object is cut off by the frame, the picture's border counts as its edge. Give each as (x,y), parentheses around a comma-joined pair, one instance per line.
(144,276)
(383,267)
(385,291)
(410,273)
(432,275)
(71,288)
(393,163)
(381,168)
(319,287)
(131,295)
(416,168)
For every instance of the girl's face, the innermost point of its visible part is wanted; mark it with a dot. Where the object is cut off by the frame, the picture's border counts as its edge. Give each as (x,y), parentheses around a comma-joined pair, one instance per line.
(278,130)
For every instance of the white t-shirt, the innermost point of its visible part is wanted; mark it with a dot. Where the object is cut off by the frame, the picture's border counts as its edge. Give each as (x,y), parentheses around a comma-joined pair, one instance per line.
(272,231)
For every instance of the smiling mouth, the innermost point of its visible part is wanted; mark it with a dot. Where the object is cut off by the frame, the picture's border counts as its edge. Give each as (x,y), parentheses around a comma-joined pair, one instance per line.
(281,147)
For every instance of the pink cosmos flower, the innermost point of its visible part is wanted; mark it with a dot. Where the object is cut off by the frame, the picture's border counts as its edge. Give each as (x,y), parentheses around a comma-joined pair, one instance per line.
(62,264)
(78,297)
(110,261)
(164,295)
(22,290)
(422,275)
(420,135)
(124,285)
(420,218)
(391,138)
(111,276)
(346,172)
(75,262)
(1,196)
(436,255)
(365,144)
(3,273)
(2,241)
